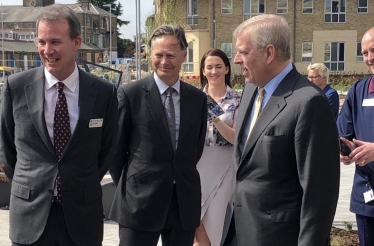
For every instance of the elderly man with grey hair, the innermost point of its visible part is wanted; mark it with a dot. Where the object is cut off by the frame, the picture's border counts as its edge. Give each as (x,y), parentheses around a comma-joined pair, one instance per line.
(318,73)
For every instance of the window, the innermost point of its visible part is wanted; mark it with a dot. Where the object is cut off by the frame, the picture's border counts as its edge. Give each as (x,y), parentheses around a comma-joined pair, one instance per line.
(307,52)
(282,6)
(253,8)
(227,48)
(226,6)
(335,10)
(188,64)
(88,40)
(307,6)
(88,22)
(192,17)
(359,57)
(334,56)
(362,6)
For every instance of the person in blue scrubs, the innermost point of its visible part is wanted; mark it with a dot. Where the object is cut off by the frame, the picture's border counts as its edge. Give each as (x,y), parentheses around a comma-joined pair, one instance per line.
(318,73)
(355,125)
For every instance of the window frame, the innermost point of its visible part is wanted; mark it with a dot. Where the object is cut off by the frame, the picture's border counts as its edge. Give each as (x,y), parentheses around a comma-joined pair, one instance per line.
(188,64)
(249,3)
(229,9)
(306,8)
(279,9)
(363,8)
(335,12)
(330,63)
(192,12)
(359,56)
(228,51)
(305,57)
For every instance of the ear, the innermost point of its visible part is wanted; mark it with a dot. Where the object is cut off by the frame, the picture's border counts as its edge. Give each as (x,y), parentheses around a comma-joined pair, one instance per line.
(227,69)
(270,52)
(77,43)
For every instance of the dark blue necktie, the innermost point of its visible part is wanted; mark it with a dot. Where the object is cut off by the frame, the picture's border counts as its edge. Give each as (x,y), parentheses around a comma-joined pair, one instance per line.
(170,115)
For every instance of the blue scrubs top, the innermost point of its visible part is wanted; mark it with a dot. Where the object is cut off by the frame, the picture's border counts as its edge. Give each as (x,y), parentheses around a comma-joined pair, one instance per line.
(357,121)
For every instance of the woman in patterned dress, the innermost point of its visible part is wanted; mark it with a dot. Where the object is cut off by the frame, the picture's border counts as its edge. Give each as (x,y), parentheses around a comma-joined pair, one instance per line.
(216,167)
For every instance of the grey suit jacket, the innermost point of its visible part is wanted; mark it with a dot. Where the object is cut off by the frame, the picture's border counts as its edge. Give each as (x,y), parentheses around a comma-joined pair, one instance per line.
(29,159)
(146,164)
(287,179)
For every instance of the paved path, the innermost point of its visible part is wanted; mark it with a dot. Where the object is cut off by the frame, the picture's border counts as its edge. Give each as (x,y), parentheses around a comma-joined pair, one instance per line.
(111,228)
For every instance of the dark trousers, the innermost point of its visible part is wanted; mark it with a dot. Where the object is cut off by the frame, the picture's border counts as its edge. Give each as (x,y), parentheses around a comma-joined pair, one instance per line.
(231,239)
(55,232)
(365,226)
(171,235)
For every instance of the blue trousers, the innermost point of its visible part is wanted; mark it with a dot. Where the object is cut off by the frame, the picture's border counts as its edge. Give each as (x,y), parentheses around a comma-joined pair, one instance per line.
(365,226)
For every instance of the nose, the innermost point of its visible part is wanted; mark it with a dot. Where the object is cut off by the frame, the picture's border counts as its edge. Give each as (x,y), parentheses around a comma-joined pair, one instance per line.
(47,49)
(237,59)
(163,59)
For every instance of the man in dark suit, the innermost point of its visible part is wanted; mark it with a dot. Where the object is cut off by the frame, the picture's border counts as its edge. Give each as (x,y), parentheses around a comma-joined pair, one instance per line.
(287,179)
(158,186)
(57,127)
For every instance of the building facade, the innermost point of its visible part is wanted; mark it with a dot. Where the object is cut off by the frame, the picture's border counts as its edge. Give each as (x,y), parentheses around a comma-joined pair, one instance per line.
(327,31)
(18,34)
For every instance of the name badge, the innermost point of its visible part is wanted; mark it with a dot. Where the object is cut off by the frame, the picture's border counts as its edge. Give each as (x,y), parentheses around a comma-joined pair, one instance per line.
(369,196)
(94,123)
(368,102)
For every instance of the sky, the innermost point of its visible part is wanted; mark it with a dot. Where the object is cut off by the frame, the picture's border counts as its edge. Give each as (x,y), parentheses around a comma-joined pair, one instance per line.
(129,13)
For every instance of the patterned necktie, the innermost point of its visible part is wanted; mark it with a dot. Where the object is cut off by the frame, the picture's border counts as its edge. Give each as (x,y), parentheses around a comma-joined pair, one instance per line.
(170,115)
(61,129)
(258,106)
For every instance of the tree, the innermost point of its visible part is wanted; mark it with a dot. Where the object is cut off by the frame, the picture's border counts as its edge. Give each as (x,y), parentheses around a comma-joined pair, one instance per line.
(126,48)
(116,9)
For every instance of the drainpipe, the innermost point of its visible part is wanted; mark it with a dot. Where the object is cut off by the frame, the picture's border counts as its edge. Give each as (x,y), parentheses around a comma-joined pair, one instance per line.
(214,23)
(294,31)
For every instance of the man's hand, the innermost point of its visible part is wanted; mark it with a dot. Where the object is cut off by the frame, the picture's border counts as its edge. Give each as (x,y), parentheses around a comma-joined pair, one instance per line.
(347,159)
(363,153)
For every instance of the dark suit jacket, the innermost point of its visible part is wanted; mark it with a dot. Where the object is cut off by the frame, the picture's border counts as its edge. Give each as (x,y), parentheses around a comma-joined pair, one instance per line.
(146,164)
(287,179)
(29,159)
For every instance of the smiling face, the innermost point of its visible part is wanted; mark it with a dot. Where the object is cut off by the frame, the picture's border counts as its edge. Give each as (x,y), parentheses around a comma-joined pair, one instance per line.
(56,49)
(167,58)
(215,70)
(367,46)
(253,62)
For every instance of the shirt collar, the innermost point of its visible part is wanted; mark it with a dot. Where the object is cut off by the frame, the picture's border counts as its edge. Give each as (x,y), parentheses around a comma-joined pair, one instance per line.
(70,82)
(162,87)
(273,84)
(371,85)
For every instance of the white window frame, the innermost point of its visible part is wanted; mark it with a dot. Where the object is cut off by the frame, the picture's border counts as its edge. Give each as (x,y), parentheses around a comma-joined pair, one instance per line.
(359,56)
(334,63)
(362,9)
(337,13)
(254,7)
(192,13)
(307,52)
(282,9)
(188,64)
(227,48)
(306,8)
(226,6)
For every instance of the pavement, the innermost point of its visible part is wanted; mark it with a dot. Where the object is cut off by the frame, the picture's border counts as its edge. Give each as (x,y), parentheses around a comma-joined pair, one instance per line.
(111,228)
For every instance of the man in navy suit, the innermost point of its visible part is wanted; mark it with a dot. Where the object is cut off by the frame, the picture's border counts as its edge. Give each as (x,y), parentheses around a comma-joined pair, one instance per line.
(40,213)
(158,186)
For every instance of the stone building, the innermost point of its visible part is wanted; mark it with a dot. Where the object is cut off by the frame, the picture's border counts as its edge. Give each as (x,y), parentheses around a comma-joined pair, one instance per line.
(18,33)
(327,31)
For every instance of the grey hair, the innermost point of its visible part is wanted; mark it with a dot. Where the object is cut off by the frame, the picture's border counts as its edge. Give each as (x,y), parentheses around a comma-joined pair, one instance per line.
(268,29)
(322,70)
(170,30)
(57,12)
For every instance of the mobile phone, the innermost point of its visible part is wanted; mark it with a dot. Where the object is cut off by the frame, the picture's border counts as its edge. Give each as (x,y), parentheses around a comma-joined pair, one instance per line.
(344,149)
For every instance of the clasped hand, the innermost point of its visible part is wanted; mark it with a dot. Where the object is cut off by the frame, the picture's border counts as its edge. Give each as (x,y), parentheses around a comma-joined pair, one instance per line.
(362,152)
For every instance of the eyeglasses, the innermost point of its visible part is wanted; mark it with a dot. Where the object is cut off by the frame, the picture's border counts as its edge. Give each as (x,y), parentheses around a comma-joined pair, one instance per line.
(314,77)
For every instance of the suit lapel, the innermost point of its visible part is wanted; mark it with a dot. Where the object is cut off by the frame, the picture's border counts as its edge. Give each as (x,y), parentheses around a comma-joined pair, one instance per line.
(274,106)
(86,103)
(156,108)
(34,93)
(185,114)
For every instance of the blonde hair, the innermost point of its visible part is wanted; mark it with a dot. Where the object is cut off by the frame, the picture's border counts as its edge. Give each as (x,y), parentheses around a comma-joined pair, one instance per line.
(322,70)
